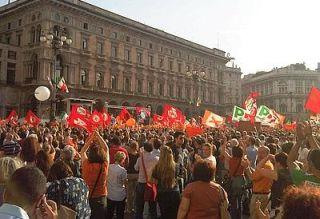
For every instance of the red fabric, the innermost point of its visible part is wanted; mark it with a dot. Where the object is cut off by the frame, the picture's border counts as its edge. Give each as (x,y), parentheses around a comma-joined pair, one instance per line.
(290,127)
(32,119)
(12,118)
(80,111)
(159,119)
(313,101)
(250,105)
(193,131)
(124,115)
(173,115)
(114,149)
(106,118)
(96,119)
(144,110)
(76,120)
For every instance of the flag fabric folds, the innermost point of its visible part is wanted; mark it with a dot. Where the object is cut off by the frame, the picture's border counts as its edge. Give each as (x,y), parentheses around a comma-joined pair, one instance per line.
(124,115)
(239,114)
(62,85)
(212,120)
(250,105)
(32,119)
(12,118)
(173,115)
(313,101)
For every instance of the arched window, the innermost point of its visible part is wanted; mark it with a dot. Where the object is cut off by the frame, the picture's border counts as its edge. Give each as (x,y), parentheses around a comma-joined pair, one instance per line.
(299,108)
(99,79)
(32,35)
(38,33)
(283,108)
(35,68)
(83,76)
(113,82)
(59,67)
(283,87)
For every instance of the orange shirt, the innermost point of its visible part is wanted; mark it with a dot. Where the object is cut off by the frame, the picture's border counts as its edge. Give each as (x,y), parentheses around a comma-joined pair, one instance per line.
(233,165)
(90,172)
(262,184)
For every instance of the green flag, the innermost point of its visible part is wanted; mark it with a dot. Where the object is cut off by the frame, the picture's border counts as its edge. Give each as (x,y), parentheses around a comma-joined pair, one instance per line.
(238,114)
(263,112)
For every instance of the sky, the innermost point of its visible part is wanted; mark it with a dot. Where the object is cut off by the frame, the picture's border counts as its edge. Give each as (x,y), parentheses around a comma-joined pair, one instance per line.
(259,34)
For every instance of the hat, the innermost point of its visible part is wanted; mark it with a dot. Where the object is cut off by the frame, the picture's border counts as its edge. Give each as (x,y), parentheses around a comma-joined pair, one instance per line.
(11,148)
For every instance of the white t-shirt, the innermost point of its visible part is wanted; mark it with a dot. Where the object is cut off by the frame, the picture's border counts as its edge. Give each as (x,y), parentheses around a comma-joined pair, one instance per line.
(117,176)
(212,159)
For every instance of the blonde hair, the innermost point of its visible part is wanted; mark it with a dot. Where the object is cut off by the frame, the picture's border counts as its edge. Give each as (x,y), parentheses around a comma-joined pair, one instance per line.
(166,167)
(8,165)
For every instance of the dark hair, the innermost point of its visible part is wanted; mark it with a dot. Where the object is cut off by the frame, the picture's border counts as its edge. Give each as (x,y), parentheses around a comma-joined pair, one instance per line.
(282,159)
(314,158)
(30,147)
(97,154)
(59,170)
(115,140)
(42,162)
(301,202)
(203,171)
(147,146)
(252,140)
(177,134)
(273,148)
(26,186)
(237,152)
(157,143)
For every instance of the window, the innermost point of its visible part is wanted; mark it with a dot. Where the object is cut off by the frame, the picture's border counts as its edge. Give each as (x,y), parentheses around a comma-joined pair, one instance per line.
(139,87)
(100,30)
(188,68)
(299,108)
(170,65)
(84,44)
(179,67)
(12,55)
(283,87)
(140,42)
(85,26)
(114,51)
(99,79)
(139,57)
(38,33)
(170,90)
(0,52)
(161,49)
(179,92)
(150,60)
(283,108)
(114,82)
(161,60)
(8,39)
(83,76)
(9,26)
(11,73)
(188,93)
(114,35)
(171,52)
(127,55)
(203,95)
(160,89)
(100,48)
(308,85)
(150,45)
(127,84)
(179,54)
(20,22)
(19,40)
(299,87)
(150,88)
(127,39)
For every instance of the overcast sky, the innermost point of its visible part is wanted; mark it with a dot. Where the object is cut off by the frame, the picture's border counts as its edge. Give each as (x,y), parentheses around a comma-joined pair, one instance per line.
(259,34)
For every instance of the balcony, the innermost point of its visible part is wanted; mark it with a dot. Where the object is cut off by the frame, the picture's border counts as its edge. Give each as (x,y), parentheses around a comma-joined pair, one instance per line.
(128,62)
(115,60)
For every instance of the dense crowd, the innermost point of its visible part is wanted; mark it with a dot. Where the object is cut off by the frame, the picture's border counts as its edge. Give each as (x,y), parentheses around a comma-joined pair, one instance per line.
(52,171)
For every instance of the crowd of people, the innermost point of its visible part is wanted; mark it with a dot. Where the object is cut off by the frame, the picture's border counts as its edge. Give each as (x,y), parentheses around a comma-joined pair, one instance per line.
(54,171)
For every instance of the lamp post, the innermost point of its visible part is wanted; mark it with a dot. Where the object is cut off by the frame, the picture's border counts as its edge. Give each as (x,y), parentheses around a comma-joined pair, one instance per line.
(57,40)
(197,76)
(291,103)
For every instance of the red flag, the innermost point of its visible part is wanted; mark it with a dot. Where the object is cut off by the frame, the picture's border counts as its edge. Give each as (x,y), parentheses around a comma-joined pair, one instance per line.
(12,118)
(32,119)
(173,115)
(290,126)
(96,119)
(250,105)
(80,111)
(124,115)
(313,101)
(159,119)
(75,120)
(143,112)
(193,131)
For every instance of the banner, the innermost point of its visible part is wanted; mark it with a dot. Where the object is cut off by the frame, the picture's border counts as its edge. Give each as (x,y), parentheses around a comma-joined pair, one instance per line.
(32,119)
(212,120)
(238,114)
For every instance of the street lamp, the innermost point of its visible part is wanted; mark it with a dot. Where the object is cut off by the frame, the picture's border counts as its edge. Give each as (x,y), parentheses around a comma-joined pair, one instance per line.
(56,39)
(196,75)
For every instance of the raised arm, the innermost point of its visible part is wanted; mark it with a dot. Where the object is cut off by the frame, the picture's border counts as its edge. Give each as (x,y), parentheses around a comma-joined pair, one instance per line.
(86,146)
(224,150)
(293,155)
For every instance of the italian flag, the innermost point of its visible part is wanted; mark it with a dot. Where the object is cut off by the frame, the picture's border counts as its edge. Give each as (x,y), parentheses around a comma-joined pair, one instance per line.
(239,114)
(62,85)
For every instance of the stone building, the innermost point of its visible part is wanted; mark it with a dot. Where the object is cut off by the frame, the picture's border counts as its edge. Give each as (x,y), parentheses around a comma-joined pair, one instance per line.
(111,57)
(283,89)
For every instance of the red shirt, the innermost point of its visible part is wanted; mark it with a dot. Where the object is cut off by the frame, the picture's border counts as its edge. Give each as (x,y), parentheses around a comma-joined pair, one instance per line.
(114,149)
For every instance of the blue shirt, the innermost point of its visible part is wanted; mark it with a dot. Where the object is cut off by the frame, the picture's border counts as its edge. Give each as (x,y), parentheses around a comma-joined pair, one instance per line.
(8,211)
(252,153)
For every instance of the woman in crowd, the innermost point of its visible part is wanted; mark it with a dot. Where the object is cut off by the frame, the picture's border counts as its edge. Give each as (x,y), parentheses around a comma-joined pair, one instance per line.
(203,198)
(30,147)
(132,174)
(95,171)
(45,158)
(164,174)
(7,167)
(67,190)
(237,164)
(117,181)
